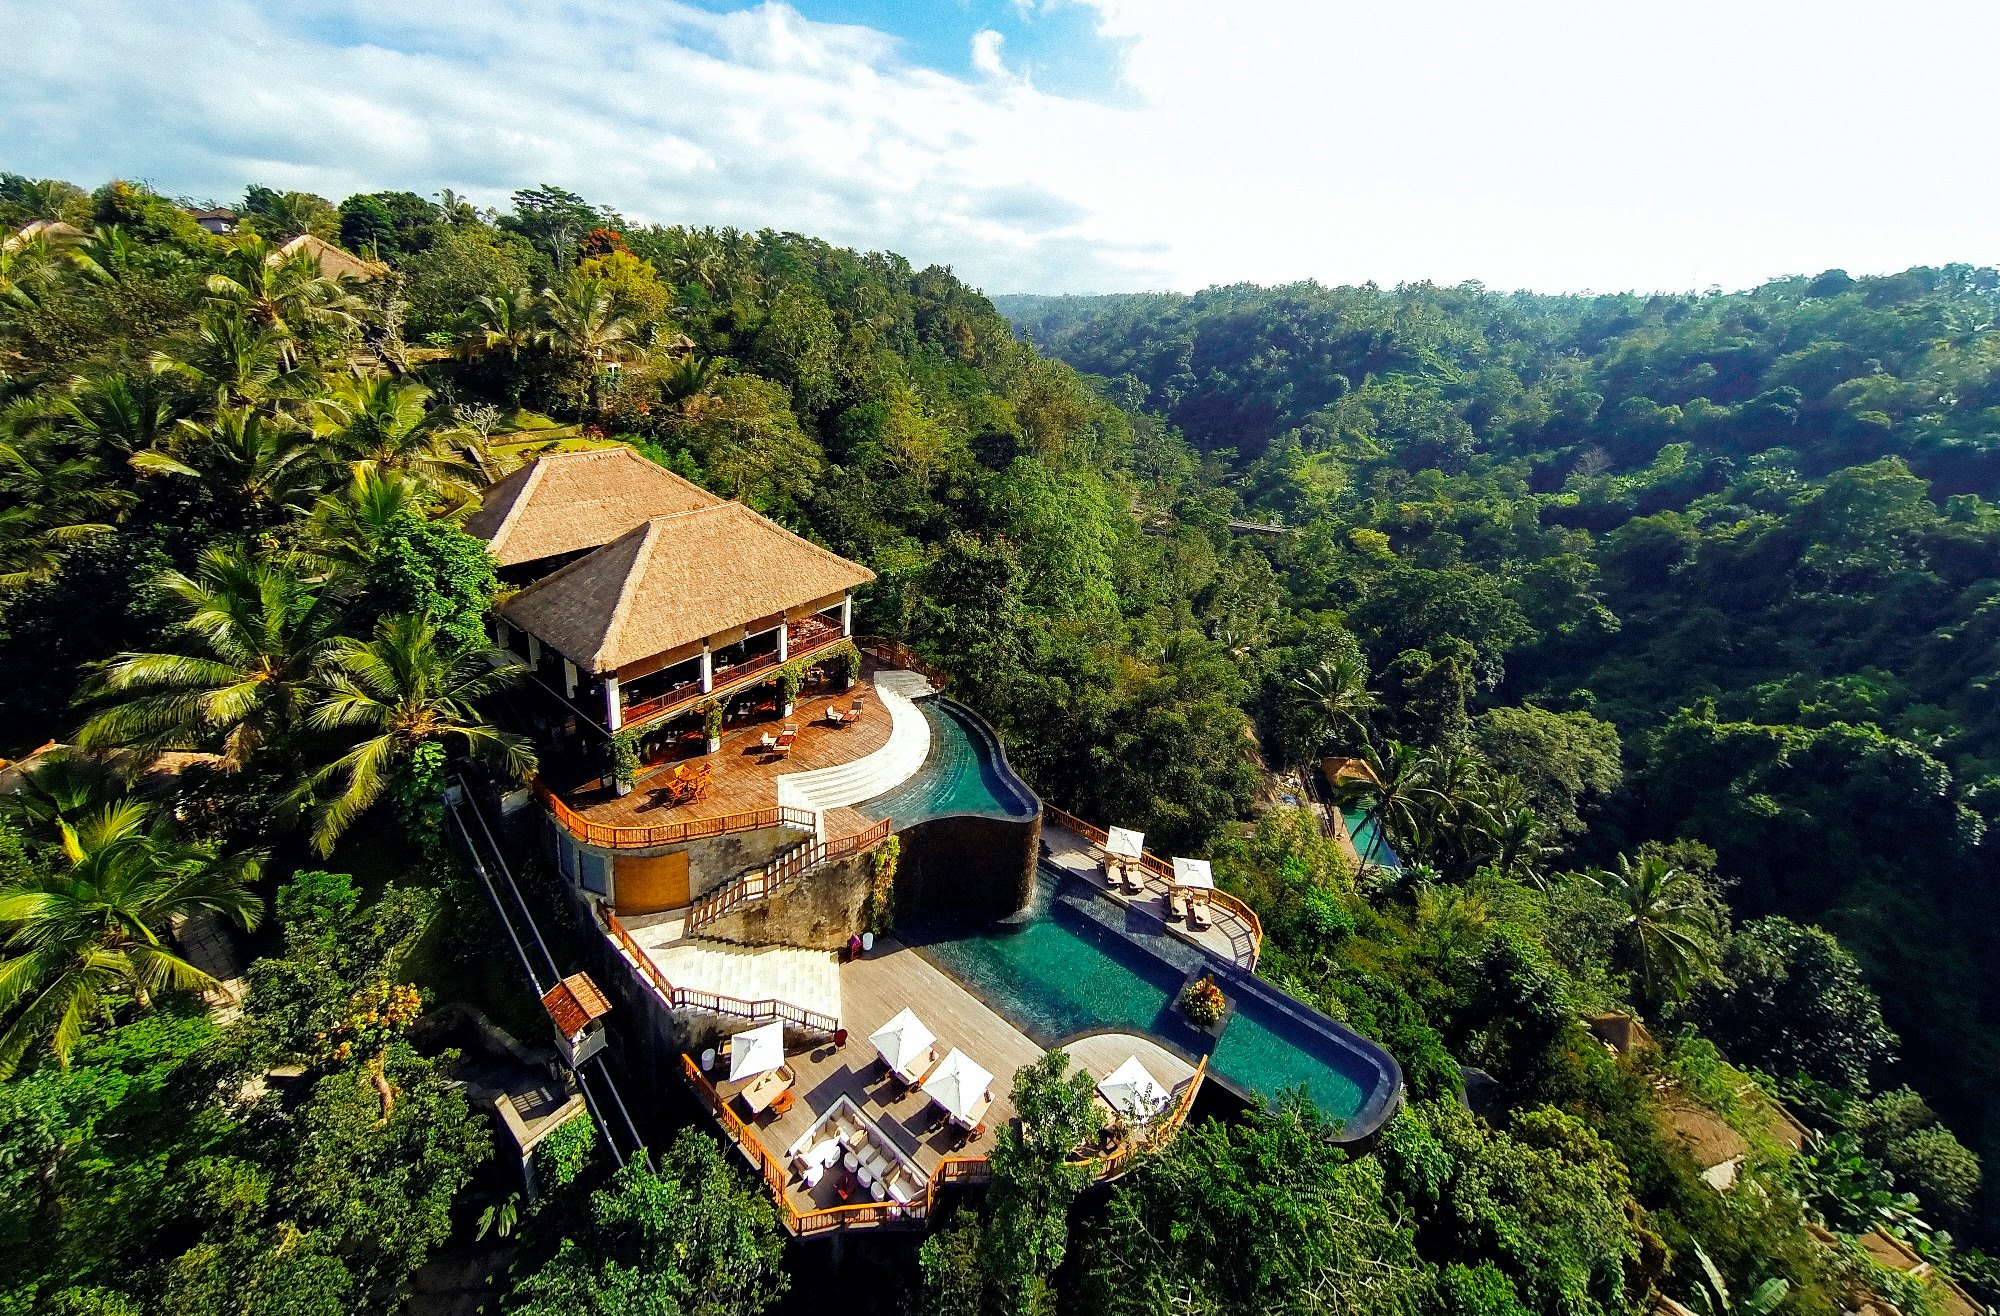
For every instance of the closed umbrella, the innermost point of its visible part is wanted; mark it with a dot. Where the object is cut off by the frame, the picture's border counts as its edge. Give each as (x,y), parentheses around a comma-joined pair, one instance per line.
(959,1085)
(757,1051)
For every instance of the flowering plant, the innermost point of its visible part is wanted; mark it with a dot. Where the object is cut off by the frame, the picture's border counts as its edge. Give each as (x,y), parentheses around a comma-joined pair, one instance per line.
(1203,1002)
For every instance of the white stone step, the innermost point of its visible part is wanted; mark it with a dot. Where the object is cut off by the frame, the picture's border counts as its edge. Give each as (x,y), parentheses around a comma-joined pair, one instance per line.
(909,685)
(809,979)
(895,762)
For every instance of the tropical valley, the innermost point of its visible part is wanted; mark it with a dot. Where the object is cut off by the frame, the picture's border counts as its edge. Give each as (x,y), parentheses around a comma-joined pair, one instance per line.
(1516,774)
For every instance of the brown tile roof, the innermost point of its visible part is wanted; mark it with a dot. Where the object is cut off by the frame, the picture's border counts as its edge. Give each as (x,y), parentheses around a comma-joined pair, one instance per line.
(574,1002)
(675,580)
(565,501)
(333,262)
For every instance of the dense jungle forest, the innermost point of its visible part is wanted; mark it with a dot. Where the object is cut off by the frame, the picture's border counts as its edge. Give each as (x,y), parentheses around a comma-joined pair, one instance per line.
(1664,628)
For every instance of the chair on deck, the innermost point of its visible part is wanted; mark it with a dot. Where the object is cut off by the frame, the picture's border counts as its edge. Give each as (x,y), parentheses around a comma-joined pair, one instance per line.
(1177,905)
(1197,916)
(785,739)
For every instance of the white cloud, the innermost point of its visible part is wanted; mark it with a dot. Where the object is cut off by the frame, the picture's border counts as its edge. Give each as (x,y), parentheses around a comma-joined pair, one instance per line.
(1556,144)
(986,53)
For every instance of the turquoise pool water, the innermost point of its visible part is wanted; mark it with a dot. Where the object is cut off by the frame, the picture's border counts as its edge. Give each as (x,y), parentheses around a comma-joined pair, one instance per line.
(1055,973)
(963,773)
(1368,839)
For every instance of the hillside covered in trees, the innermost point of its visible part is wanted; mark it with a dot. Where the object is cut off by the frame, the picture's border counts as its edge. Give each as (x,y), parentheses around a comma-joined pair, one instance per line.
(1664,628)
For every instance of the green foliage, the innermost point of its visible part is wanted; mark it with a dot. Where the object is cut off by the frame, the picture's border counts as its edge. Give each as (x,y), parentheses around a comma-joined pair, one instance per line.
(1261,1215)
(880,916)
(1561,759)
(1035,1179)
(435,569)
(693,1235)
(567,1151)
(625,756)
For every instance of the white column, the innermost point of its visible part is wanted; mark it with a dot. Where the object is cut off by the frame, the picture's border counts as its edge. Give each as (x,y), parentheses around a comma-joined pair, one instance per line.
(534,651)
(614,716)
(847,613)
(707,670)
(784,639)
(569,678)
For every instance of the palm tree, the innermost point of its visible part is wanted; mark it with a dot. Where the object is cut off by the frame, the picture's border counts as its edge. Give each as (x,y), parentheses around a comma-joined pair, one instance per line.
(403,690)
(231,358)
(1668,926)
(1397,784)
(51,498)
(262,463)
(506,322)
(1514,835)
(262,628)
(350,527)
(376,422)
(688,381)
(95,925)
(1453,799)
(287,295)
(1711,1296)
(1334,694)
(121,413)
(584,326)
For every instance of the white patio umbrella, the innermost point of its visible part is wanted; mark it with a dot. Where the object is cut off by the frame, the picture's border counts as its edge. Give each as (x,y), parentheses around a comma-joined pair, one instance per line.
(958,1084)
(1125,842)
(903,1040)
(1133,1092)
(756,1051)
(1193,874)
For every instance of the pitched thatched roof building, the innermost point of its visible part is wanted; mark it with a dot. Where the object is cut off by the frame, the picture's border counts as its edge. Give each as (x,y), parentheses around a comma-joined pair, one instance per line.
(680,580)
(333,262)
(54,232)
(566,503)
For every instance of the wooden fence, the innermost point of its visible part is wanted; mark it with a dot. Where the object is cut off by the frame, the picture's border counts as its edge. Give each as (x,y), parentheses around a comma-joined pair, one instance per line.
(1163,870)
(782,872)
(895,653)
(610,837)
(688,998)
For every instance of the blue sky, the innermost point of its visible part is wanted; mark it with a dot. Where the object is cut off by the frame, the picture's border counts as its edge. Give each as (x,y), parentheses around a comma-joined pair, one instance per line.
(1086,145)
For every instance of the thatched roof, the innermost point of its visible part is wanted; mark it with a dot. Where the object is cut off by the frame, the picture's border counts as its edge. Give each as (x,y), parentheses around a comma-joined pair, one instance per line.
(333,262)
(54,232)
(566,501)
(676,580)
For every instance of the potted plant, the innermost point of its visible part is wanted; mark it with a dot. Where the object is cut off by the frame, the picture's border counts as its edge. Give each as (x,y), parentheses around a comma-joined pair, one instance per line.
(1203,1002)
(844,664)
(711,721)
(790,677)
(625,760)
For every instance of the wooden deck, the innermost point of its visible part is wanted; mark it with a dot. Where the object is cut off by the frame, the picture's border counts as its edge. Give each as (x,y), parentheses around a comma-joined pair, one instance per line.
(872,990)
(745,777)
(1227,935)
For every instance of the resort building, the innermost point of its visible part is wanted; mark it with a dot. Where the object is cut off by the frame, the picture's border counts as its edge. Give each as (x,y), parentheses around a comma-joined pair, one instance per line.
(817,893)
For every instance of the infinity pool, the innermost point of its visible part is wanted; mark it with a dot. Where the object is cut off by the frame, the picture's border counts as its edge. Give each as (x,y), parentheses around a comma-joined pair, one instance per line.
(1057,971)
(1369,842)
(963,774)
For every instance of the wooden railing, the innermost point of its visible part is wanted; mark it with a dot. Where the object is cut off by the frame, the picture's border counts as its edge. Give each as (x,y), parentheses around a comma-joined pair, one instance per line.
(782,872)
(897,654)
(772,1170)
(1158,1134)
(1163,870)
(612,837)
(947,1172)
(732,681)
(689,998)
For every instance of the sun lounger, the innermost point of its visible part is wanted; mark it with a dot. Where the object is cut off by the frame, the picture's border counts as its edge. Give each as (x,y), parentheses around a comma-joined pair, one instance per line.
(1176,905)
(1135,878)
(1198,916)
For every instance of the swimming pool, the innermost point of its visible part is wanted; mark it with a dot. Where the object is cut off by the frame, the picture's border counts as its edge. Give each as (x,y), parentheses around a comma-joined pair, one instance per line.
(1369,842)
(1076,962)
(964,773)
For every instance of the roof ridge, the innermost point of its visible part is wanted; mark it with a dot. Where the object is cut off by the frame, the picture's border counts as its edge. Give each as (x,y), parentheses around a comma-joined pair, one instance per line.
(628,589)
(519,505)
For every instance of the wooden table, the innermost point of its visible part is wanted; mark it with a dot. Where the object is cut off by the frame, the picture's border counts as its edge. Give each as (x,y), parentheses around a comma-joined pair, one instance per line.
(758,1094)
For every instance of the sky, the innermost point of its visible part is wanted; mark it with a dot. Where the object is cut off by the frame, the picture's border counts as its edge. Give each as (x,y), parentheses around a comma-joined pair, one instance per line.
(1077,146)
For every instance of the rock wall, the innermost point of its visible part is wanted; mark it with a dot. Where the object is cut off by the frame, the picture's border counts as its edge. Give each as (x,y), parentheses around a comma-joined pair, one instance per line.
(968,865)
(820,911)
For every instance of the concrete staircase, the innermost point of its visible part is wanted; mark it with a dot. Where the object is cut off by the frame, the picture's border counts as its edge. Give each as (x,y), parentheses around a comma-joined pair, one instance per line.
(806,978)
(872,774)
